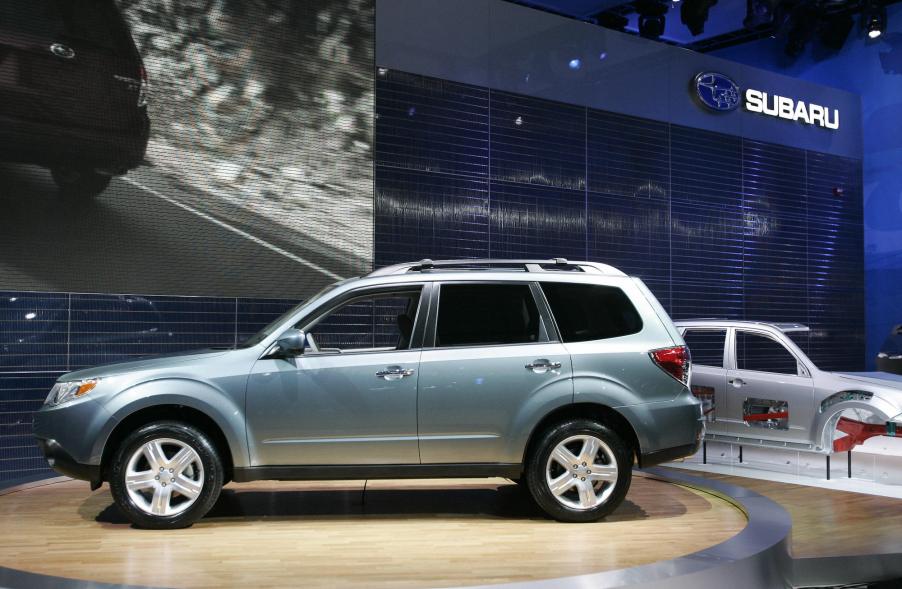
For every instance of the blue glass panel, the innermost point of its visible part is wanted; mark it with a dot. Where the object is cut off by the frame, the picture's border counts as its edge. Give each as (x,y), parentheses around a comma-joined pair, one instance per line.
(33,330)
(537,222)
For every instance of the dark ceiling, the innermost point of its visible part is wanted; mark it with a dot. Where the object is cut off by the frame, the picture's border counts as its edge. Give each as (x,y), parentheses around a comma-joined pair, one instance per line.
(797,21)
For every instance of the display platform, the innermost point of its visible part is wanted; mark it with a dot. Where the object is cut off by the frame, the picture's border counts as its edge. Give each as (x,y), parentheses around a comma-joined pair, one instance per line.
(383,533)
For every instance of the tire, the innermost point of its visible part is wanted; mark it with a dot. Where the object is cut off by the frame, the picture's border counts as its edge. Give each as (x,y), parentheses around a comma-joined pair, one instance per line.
(579,499)
(187,458)
(79,183)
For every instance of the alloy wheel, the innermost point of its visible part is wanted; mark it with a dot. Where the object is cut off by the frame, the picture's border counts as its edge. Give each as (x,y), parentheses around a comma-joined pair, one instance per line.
(581,472)
(164,477)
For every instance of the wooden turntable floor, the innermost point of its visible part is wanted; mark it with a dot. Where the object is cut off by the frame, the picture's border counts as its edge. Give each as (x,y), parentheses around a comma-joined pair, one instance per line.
(324,534)
(829,523)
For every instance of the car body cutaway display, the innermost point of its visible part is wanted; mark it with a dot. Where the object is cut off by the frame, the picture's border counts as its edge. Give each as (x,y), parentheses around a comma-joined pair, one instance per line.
(556,374)
(758,387)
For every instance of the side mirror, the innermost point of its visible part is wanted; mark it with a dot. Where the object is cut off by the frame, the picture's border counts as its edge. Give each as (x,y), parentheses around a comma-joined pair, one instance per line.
(292,343)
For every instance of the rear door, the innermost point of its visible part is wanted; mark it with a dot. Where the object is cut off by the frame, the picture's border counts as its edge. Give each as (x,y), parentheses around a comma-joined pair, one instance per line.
(490,356)
(69,62)
(709,377)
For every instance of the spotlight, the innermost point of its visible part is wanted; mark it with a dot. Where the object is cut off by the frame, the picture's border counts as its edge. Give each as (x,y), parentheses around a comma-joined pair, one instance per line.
(759,12)
(651,18)
(873,19)
(694,14)
(575,63)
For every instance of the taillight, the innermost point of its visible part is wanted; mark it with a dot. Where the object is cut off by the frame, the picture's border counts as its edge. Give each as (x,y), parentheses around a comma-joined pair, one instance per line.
(674,361)
(142,91)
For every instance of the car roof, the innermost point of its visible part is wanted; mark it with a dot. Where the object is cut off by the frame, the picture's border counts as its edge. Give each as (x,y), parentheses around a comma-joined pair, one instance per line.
(554,265)
(707,322)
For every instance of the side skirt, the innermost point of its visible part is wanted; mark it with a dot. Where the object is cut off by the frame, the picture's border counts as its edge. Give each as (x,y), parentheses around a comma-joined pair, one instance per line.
(375,471)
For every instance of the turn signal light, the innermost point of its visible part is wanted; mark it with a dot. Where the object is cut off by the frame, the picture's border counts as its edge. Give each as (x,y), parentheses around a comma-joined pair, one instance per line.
(86,387)
(674,361)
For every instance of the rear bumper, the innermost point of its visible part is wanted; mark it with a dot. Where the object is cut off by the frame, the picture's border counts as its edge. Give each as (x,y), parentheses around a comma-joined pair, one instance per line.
(63,463)
(47,144)
(668,454)
(667,431)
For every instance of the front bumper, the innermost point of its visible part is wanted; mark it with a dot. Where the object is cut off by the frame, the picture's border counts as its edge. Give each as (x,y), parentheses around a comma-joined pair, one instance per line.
(63,463)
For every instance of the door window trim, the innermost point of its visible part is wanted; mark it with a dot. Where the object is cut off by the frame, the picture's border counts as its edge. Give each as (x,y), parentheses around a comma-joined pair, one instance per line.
(726,345)
(802,370)
(416,338)
(546,328)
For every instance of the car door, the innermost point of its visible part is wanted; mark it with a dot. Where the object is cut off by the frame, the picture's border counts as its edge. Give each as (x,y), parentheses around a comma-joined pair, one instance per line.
(489,356)
(709,377)
(771,392)
(350,398)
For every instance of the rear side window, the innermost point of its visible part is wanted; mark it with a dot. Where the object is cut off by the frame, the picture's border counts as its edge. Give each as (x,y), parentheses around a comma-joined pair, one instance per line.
(706,346)
(761,353)
(486,314)
(585,312)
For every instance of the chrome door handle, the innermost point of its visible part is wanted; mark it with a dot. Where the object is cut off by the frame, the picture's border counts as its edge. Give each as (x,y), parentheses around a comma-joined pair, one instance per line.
(542,366)
(394,373)
(736,382)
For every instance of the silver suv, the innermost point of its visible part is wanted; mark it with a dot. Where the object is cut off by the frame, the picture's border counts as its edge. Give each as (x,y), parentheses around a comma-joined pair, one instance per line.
(555,374)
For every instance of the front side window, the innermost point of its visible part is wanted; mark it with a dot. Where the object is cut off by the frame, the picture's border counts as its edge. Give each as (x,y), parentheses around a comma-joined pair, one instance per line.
(486,315)
(706,346)
(755,351)
(586,312)
(380,321)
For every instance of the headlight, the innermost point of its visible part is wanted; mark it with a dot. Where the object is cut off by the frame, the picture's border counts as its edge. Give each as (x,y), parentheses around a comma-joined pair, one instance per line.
(63,392)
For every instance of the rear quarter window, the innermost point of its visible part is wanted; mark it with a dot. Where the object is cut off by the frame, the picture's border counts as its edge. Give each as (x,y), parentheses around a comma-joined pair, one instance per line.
(586,312)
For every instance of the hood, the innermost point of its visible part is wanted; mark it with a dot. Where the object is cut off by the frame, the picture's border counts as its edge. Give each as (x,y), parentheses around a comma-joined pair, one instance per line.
(149,363)
(879,379)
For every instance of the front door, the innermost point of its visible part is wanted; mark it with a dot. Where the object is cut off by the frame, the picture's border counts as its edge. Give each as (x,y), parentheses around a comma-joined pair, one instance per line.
(490,361)
(771,396)
(351,397)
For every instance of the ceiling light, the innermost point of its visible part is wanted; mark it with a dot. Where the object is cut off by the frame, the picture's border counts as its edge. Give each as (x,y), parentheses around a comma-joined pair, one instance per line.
(651,18)
(873,19)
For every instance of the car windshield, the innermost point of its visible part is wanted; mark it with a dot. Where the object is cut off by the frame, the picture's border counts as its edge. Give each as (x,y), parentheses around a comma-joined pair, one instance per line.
(274,325)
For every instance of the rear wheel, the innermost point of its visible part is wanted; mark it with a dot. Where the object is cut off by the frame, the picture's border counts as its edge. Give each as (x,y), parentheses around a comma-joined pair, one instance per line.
(166,475)
(580,471)
(79,183)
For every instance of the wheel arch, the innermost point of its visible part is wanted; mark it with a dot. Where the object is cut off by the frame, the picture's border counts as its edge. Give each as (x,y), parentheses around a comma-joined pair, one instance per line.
(168,412)
(602,413)
(832,407)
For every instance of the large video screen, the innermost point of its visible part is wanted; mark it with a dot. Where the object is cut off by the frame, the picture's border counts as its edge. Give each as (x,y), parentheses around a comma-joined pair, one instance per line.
(202,147)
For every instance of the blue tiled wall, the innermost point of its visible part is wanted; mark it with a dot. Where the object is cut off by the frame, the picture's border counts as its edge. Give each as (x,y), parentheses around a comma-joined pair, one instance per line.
(717,225)
(44,335)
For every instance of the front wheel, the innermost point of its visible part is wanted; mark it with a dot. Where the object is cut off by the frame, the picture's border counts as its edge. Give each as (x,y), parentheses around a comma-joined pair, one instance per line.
(166,475)
(579,471)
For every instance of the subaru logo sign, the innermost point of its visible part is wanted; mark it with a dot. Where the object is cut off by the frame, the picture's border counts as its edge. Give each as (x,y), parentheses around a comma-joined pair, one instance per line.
(717,91)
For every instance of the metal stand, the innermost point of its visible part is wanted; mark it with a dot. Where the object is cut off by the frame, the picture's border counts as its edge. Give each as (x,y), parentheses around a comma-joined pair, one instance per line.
(704,452)
(828,467)
(849,453)
(740,454)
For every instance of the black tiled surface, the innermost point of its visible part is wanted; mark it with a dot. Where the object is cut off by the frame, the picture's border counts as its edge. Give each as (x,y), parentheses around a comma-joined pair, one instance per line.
(717,225)
(44,335)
